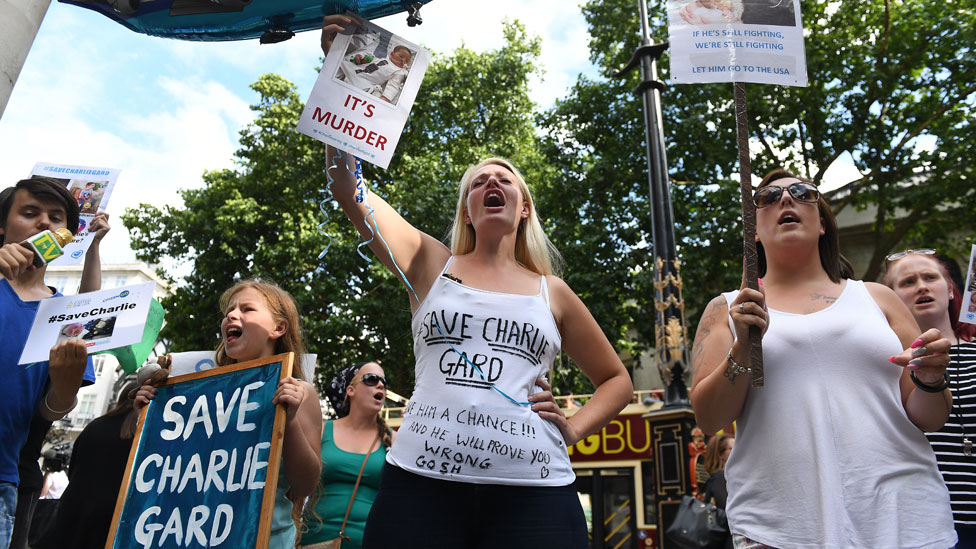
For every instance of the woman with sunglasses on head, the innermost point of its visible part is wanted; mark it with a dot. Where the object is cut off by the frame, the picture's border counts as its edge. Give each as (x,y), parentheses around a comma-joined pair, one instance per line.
(357,439)
(850,384)
(923,283)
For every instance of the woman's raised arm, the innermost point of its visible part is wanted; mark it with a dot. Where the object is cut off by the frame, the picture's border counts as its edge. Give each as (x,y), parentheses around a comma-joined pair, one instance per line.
(418,254)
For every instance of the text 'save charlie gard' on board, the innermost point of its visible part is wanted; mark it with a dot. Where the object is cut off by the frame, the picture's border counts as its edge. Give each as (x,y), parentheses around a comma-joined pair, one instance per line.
(106,319)
(205,461)
(364,92)
(91,187)
(757,41)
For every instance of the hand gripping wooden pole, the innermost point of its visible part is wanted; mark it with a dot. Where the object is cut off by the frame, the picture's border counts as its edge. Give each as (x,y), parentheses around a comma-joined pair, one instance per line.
(750,257)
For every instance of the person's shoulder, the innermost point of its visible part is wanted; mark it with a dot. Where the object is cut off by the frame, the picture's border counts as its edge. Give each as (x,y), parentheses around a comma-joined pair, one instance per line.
(880,292)
(886,298)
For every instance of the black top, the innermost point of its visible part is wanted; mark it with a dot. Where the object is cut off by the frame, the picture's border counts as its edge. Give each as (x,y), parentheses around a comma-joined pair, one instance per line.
(716,488)
(958,469)
(95,473)
(28,470)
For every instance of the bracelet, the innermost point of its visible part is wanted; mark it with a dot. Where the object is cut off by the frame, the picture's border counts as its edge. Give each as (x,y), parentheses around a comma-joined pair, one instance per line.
(59,412)
(733,370)
(929,388)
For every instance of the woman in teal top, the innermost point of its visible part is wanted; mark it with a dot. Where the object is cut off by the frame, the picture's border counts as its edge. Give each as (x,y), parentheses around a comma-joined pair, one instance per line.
(357,394)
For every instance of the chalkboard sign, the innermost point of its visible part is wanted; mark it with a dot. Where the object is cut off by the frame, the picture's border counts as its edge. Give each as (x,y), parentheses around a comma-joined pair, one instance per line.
(205,460)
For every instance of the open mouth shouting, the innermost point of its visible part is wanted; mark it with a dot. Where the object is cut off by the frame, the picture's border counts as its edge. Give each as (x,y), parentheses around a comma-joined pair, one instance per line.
(494,198)
(232,334)
(788,217)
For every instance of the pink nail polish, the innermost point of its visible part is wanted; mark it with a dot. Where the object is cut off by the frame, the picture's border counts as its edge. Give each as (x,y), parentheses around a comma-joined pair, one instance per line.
(918,343)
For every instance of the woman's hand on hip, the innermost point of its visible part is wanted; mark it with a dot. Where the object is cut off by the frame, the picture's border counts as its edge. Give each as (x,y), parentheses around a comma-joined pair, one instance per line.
(544,403)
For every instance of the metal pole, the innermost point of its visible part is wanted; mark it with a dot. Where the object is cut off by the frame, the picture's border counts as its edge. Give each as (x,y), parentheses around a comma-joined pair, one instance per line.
(19,22)
(671,333)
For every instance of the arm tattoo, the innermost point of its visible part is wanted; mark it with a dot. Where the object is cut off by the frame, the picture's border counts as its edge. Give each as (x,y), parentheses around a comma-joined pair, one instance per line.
(701,335)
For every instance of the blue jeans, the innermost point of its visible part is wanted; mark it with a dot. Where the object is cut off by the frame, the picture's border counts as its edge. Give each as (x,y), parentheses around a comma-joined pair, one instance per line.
(8,506)
(413,511)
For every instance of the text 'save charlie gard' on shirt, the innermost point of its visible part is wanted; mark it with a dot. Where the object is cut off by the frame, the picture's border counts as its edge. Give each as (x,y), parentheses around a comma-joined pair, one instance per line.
(457,427)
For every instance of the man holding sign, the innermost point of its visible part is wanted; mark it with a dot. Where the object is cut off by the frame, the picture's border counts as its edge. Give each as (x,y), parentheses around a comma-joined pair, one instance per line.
(30,207)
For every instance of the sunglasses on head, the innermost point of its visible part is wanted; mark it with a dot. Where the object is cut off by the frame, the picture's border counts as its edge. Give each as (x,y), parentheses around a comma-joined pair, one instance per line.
(898,255)
(770,194)
(370,380)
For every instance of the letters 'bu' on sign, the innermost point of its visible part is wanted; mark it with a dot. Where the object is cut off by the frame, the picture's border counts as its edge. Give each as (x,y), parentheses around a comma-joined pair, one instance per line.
(205,461)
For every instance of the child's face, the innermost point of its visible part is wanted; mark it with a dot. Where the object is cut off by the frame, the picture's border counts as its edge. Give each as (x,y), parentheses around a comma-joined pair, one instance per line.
(249,329)
(400,57)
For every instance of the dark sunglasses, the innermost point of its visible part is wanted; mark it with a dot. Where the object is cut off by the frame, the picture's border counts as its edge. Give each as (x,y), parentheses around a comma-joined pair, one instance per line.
(370,380)
(898,255)
(770,194)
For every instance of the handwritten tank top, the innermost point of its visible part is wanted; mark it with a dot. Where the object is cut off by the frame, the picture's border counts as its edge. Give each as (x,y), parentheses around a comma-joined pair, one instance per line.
(456,426)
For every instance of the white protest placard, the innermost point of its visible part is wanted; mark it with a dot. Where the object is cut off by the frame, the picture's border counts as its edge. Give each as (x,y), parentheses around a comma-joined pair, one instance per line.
(92,188)
(106,319)
(191,362)
(967,312)
(364,92)
(737,41)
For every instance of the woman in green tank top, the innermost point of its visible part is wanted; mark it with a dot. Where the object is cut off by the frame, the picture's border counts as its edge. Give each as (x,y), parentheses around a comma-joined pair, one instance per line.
(357,395)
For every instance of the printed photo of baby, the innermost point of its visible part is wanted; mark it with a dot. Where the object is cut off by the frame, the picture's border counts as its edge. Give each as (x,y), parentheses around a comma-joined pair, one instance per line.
(711,12)
(376,64)
(91,330)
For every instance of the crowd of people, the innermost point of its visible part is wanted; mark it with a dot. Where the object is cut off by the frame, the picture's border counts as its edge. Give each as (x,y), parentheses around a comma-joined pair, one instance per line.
(858,439)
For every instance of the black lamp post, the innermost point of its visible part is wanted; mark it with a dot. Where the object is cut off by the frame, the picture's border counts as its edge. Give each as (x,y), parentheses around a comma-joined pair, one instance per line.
(671,334)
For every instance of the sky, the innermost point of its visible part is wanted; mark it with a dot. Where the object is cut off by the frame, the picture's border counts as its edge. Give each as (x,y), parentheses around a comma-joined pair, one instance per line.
(94,93)
(163,111)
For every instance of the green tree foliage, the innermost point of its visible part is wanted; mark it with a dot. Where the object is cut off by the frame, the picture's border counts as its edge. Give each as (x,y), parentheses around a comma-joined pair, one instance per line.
(260,219)
(891,87)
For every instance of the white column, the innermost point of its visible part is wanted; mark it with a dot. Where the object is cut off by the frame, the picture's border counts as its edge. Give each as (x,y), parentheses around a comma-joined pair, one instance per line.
(19,21)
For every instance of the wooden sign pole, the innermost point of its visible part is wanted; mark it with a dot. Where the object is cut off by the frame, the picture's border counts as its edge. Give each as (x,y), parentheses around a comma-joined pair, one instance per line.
(750,256)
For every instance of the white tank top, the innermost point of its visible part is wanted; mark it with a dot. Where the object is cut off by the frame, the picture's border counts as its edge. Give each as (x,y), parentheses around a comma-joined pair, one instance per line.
(456,426)
(825,455)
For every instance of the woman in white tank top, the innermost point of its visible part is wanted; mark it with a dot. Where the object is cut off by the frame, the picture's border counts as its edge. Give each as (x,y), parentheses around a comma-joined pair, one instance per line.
(500,260)
(831,451)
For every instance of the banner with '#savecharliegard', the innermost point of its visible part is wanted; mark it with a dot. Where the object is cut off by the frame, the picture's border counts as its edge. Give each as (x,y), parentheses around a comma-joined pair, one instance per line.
(203,469)
(91,187)
(364,92)
(757,41)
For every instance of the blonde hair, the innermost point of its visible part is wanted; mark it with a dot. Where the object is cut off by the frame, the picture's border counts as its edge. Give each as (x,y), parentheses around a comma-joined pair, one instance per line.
(533,250)
(283,308)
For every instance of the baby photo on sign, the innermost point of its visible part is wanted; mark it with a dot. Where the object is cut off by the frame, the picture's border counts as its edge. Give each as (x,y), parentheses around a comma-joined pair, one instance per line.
(92,330)
(723,12)
(377,63)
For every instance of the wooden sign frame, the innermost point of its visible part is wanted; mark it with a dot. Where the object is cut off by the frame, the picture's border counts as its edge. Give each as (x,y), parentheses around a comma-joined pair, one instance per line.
(274,455)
